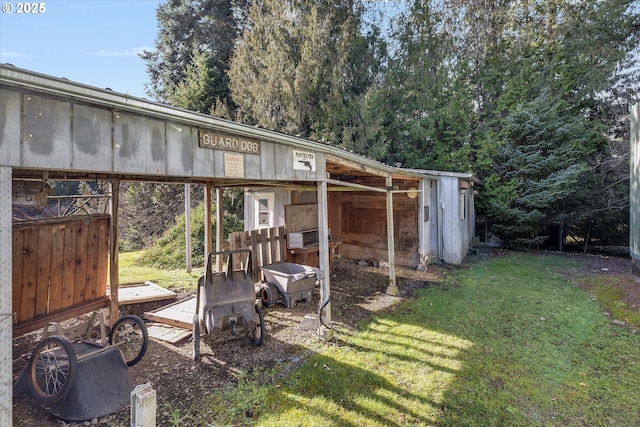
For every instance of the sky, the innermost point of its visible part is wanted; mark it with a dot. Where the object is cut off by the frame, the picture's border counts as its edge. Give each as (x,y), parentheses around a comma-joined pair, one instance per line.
(93,42)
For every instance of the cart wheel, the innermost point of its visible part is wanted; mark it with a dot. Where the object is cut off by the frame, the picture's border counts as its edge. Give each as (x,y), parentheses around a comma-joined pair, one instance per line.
(268,294)
(130,335)
(53,368)
(196,338)
(258,332)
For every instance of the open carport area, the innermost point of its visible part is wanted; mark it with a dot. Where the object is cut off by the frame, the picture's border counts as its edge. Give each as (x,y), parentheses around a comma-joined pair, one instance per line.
(53,129)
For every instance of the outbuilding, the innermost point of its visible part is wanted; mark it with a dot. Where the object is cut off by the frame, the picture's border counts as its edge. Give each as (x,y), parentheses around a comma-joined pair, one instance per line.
(52,128)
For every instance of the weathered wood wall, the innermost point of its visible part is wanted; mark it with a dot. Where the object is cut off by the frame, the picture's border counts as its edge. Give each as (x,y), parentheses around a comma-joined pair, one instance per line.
(364,227)
(58,264)
(267,247)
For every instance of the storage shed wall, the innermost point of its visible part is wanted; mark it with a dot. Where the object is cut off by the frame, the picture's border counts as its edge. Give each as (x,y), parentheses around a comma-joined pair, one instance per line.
(634,220)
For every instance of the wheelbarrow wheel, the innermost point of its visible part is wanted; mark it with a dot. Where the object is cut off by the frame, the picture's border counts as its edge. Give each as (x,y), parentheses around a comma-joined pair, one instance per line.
(53,367)
(269,294)
(258,332)
(196,338)
(130,335)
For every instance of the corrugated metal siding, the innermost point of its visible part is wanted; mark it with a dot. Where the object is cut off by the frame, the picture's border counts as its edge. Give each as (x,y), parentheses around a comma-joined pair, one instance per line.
(634,155)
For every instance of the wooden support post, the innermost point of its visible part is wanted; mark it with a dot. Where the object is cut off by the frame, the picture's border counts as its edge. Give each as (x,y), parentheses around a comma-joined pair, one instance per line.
(219,225)
(325,332)
(187,226)
(6,310)
(208,238)
(392,289)
(114,275)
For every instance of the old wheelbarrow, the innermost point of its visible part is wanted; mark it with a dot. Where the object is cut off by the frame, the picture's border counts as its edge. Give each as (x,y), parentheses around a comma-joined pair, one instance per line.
(84,379)
(226,302)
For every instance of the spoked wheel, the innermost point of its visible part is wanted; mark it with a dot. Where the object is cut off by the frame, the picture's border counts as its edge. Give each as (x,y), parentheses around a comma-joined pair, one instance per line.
(53,367)
(258,332)
(130,335)
(196,338)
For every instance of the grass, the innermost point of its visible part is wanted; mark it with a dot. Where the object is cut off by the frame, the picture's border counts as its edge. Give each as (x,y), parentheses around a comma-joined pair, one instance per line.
(505,342)
(176,280)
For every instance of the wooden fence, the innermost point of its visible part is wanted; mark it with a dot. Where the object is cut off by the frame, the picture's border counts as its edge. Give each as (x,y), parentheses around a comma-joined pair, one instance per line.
(268,246)
(59,267)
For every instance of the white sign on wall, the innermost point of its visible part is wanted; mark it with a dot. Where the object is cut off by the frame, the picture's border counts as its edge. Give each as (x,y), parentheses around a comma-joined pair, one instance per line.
(304,161)
(233,165)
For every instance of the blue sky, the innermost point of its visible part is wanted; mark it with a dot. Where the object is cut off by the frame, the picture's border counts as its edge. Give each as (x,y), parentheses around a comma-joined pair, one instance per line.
(94,42)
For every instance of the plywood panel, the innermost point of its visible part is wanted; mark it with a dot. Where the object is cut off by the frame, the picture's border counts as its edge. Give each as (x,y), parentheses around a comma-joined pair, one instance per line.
(301,217)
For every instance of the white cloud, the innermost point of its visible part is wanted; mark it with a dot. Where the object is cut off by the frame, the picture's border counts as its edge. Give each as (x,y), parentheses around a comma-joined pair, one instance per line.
(127,52)
(12,54)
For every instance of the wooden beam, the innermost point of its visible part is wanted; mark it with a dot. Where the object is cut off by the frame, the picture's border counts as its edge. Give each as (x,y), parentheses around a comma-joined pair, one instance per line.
(392,289)
(325,332)
(219,225)
(114,274)
(187,226)
(208,238)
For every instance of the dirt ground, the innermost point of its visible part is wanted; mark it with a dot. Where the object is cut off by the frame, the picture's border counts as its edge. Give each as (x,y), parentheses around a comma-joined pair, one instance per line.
(357,292)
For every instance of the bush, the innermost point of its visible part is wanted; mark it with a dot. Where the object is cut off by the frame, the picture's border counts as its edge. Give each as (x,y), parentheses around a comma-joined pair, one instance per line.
(169,250)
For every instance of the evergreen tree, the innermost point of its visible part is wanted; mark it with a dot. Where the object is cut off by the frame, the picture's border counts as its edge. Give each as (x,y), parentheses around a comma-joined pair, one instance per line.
(304,68)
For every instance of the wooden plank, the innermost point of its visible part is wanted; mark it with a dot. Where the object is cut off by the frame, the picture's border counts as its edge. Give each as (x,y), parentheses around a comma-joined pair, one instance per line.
(180,313)
(273,245)
(57,267)
(167,333)
(44,271)
(301,217)
(257,273)
(16,273)
(29,274)
(65,314)
(103,257)
(80,274)
(143,292)
(264,236)
(68,276)
(91,282)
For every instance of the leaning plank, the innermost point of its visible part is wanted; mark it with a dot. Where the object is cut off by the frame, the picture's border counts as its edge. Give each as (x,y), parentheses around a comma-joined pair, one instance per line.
(180,313)
(143,292)
(168,333)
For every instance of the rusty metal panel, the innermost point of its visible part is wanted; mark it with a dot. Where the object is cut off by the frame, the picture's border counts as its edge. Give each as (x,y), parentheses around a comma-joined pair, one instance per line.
(92,149)
(129,143)
(47,133)
(155,147)
(9,128)
(179,149)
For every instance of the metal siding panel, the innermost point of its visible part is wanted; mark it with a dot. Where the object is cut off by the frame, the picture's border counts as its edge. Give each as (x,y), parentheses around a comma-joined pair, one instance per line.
(9,128)
(179,150)
(218,161)
(203,158)
(6,319)
(283,162)
(91,148)
(252,166)
(129,144)
(267,160)
(47,133)
(155,147)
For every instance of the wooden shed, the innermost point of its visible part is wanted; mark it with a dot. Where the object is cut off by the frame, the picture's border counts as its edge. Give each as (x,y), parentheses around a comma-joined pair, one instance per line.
(52,128)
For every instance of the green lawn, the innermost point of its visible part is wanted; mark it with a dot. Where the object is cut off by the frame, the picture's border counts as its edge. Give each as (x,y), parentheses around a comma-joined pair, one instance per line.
(176,280)
(506,342)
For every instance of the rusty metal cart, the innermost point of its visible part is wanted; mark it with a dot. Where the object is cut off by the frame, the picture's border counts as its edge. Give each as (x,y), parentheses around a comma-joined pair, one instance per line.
(226,302)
